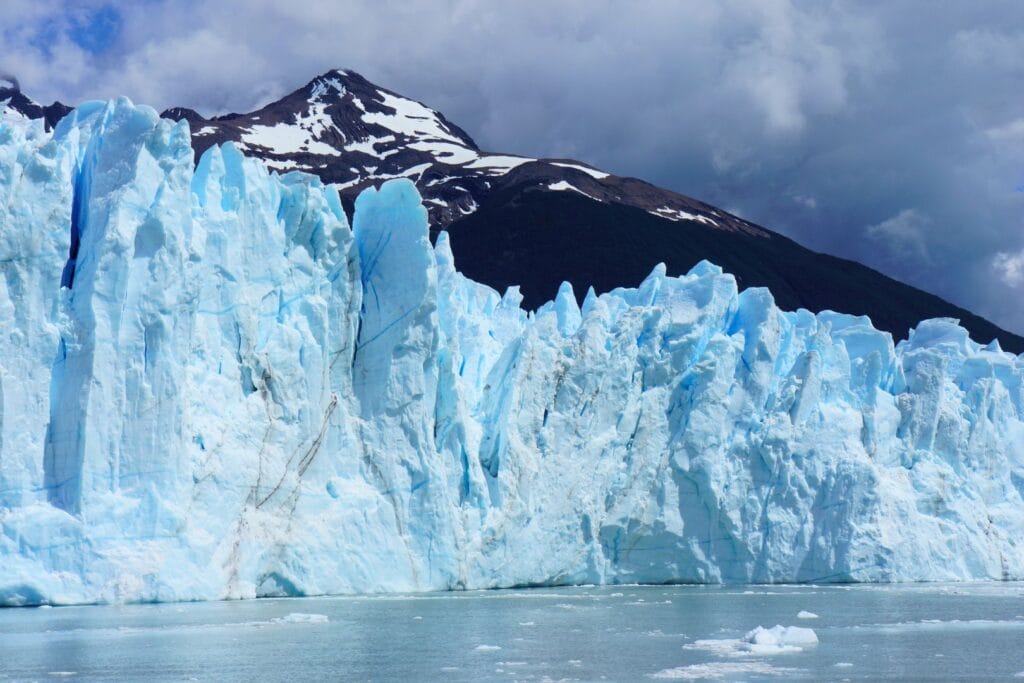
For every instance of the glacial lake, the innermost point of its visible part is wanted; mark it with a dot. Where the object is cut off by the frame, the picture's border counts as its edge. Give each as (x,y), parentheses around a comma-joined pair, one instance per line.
(616,633)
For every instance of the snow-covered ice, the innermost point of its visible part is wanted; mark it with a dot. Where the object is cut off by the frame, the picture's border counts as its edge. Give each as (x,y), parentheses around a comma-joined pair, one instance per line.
(779,639)
(759,642)
(212,386)
(803,614)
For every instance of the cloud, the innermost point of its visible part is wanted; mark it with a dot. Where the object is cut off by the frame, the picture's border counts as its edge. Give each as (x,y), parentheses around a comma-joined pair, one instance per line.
(814,119)
(905,234)
(1010,267)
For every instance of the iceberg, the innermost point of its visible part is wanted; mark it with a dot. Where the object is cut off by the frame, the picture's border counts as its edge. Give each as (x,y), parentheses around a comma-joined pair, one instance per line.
(760,642)
(212,386)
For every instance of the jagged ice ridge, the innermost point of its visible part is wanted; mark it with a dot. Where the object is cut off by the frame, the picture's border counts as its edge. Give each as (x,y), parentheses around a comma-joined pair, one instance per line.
(212,387)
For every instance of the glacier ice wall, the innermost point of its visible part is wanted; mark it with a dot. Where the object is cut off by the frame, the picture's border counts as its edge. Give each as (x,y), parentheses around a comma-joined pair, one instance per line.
(212,387)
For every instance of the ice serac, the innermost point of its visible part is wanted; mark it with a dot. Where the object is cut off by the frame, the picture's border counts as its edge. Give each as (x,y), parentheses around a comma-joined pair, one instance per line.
(212,387)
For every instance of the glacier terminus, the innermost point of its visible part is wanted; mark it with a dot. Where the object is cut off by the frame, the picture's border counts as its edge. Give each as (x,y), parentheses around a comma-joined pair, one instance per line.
(213,386)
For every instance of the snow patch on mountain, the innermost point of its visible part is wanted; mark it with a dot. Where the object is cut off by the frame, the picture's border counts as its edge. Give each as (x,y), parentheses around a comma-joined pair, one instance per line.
(447,153)
(593,173)
(301,137)
(563,185)
(411,119)
(681,215)
(498,164)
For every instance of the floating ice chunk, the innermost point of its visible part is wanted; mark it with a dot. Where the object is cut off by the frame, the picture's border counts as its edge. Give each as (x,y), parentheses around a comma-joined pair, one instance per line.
(759,642)
(780,637)
(487,648)
(804,614)
(716,670)
(301,618)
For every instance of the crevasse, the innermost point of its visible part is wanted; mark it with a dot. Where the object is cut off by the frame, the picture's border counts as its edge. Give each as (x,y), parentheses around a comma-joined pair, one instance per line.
(212,387)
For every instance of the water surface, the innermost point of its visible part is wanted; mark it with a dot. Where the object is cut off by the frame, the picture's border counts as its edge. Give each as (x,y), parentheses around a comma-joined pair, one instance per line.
(611,633)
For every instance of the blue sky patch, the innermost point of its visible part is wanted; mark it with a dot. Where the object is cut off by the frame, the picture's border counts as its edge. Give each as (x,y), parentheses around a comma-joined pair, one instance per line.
(98,31)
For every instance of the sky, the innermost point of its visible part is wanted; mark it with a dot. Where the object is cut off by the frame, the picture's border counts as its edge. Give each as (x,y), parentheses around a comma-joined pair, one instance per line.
(891,133)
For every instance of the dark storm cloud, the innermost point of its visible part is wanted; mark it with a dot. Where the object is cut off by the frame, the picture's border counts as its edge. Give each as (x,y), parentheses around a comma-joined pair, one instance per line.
(891,133)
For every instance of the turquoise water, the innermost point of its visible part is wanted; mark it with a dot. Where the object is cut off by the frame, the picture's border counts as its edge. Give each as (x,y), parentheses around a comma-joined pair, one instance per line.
(621,633)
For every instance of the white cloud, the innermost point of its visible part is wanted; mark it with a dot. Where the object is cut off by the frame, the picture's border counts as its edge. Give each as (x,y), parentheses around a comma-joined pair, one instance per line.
(1010,267)
(1010,133)
(792,64)
(905,234)
(805,201)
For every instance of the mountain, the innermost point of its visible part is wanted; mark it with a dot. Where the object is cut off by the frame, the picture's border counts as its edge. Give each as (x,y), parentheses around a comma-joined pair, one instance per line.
(214,385)
(13,100)
(349,131)
(535,223)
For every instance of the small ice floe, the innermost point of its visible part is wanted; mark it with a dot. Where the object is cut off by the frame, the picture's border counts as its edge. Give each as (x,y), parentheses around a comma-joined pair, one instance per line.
(417,618)
(301,618)
(61,674)
(843,665)
(487,648)
(527,623)
(716,670)
(761,641)
(804,614)
(779,639)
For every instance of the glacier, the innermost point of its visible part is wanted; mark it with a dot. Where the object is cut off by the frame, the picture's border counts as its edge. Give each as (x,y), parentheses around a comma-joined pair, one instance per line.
(213,387)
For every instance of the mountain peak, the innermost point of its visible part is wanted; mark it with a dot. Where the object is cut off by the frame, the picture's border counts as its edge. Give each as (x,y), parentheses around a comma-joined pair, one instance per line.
(11,98)
(352,132)
(328,85)
(9,83)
